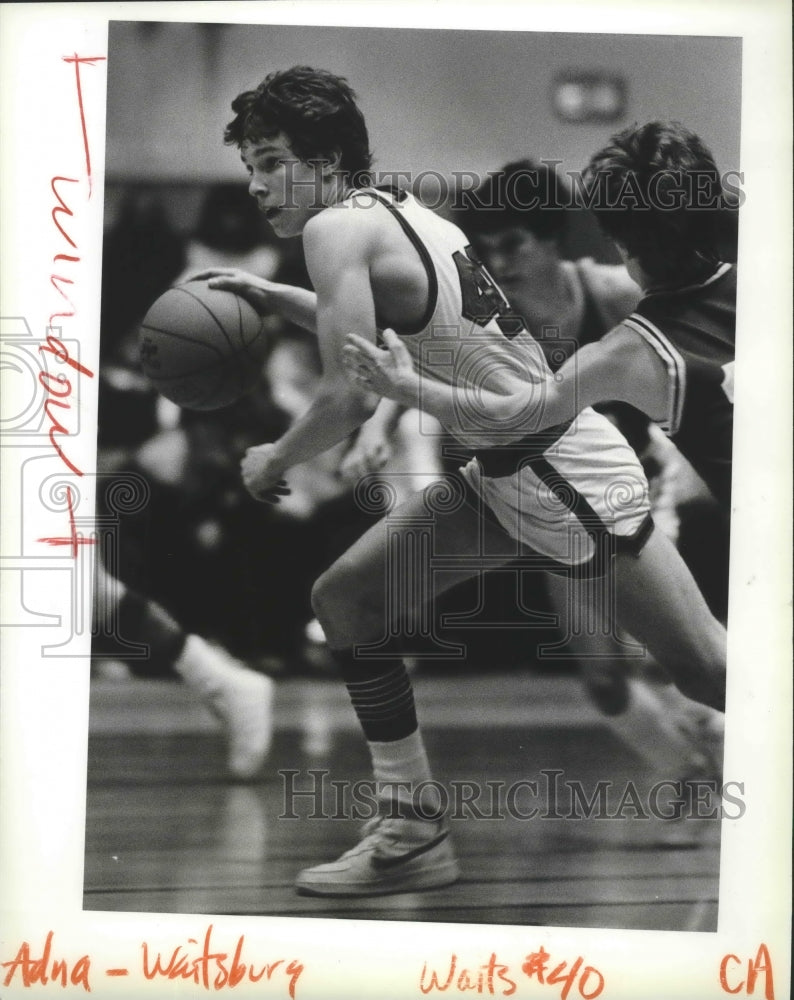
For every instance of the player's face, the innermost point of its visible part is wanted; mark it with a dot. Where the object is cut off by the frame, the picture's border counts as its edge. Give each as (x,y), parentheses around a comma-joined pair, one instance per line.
(513,256)
(287,190)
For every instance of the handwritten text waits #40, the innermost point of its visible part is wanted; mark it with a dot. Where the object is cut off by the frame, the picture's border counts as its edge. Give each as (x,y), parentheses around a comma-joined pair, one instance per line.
(748,977)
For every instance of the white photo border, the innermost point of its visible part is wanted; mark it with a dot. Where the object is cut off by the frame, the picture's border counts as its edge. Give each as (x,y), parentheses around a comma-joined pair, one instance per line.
(44,702)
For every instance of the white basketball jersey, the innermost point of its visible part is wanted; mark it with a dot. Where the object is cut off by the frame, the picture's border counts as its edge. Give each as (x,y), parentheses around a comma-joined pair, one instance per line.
(548,488)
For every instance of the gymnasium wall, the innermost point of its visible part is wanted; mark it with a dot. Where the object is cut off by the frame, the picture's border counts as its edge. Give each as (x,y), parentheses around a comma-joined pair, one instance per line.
(434,100)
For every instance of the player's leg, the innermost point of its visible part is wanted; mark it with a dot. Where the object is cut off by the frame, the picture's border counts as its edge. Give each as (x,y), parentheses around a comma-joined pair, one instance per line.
(663,730)
(363,599)
(393,568)
(658,602)
(651,596)
(241,698)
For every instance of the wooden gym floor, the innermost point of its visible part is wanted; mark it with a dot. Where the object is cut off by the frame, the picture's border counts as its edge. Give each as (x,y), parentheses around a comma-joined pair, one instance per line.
(167,832)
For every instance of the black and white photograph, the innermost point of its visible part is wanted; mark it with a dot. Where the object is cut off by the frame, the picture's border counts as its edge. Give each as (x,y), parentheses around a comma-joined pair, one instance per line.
(399,488)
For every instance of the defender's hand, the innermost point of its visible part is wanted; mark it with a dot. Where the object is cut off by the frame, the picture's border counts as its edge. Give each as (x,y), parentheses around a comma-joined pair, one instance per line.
(389,373)
(262,475)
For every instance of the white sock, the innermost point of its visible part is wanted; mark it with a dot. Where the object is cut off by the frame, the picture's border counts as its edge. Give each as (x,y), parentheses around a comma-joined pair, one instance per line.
(649,728)
(202,666)
(402,772)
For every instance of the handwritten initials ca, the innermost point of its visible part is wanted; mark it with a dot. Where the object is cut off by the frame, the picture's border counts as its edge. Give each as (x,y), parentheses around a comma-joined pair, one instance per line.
(762,963)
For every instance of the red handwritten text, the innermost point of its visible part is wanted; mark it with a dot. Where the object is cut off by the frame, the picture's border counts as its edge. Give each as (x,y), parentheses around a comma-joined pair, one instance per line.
(730,976)
(78,62)
(74,538)
(588,980)
(59,387)
(215,969)
(46,969)
(485,979)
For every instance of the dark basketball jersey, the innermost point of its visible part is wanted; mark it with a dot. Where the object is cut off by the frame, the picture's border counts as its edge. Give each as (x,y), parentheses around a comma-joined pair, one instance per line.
(693,330)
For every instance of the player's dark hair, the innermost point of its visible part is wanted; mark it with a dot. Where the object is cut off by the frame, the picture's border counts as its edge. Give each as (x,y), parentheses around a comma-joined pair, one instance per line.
(315,109)
(523,193)
(655,189)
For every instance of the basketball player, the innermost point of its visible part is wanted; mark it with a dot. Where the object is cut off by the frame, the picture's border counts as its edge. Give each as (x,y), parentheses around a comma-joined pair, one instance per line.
(129,434)
(577,495)
(519,220)
(673,356)
(516,219)
(239,697)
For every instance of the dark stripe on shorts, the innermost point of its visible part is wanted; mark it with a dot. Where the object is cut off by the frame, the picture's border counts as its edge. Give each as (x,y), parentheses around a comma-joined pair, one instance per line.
(507,459)
(568,495)
(606,543)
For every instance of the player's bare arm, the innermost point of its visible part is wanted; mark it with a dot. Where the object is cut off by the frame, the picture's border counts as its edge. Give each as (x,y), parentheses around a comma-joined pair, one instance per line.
(391,373)
(344,302)
(298,305)
(372,447)
(620,367)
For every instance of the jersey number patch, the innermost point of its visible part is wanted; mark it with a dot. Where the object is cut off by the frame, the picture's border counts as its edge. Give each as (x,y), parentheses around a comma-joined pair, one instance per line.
(482,298)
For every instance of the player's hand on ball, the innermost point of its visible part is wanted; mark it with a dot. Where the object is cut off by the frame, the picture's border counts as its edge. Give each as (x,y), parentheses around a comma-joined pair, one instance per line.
(262,475)
(254,289)
(389,373)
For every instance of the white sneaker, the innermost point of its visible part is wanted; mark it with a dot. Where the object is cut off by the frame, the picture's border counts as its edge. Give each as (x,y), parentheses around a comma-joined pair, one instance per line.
(394,855)
(244,704)
(704,729)
(241,698)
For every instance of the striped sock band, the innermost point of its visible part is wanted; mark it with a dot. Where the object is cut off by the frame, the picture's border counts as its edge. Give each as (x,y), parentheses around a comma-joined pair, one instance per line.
(382,696)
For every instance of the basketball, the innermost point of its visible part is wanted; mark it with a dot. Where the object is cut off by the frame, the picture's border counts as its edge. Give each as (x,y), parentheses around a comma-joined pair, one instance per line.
(203,348)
